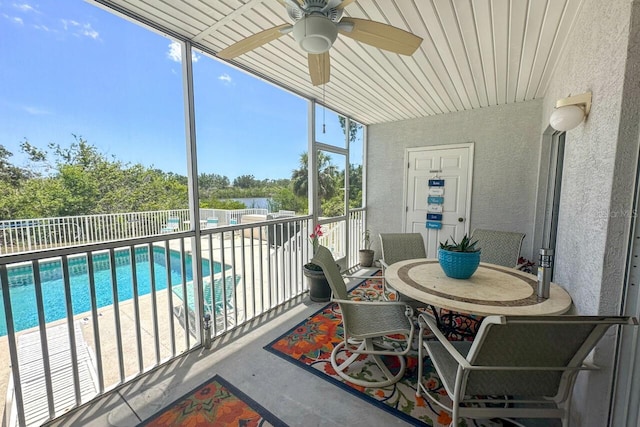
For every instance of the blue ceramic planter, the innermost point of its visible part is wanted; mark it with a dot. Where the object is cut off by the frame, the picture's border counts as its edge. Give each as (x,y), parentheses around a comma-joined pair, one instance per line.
(458,265)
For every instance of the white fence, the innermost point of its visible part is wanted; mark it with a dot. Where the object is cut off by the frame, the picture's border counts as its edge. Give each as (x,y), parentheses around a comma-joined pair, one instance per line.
(25,235)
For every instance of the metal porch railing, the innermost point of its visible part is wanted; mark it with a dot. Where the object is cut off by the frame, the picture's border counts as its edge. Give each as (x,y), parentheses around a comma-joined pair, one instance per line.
(101,314)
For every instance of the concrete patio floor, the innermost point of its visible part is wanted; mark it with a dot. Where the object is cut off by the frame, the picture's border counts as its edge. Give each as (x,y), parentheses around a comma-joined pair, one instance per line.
(292,394)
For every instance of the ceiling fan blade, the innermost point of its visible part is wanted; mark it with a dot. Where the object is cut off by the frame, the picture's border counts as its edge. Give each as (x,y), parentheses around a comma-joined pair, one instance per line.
(252,42)
(319,68)
(380,35)
(344,4)
(284,2)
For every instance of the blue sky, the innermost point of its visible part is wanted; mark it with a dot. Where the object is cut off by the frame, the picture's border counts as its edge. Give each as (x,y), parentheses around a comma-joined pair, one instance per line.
(69,67)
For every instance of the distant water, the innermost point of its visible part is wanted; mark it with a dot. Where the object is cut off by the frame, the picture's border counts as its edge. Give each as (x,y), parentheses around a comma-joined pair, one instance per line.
(255,202)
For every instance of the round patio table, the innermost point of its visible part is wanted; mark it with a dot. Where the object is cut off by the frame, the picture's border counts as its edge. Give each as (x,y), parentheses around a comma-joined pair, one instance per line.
(491,290)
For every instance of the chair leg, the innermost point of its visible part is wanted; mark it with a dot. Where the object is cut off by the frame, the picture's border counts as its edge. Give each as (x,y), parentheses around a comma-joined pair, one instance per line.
(421,337)
(364,345)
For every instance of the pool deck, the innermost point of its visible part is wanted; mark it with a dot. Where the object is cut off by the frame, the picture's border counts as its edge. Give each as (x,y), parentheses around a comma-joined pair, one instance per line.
(248,300)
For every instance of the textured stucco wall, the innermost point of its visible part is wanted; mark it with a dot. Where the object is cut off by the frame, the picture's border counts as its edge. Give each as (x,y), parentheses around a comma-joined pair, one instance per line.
(597,186)
(506,146)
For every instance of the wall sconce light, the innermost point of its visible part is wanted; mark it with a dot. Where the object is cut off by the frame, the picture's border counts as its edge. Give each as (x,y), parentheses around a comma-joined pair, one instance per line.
(570,112)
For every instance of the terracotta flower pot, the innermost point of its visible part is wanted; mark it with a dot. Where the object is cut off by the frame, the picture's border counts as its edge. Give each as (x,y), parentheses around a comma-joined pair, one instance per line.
(366,257)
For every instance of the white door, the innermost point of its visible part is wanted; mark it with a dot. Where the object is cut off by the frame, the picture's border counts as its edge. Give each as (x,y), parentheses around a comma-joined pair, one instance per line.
(454,165)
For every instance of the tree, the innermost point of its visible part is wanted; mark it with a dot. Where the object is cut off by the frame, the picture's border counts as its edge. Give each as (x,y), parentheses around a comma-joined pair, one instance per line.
(227,204)
(326,176)
(245,181)
(354,128)
(82,181)
(10,174)
(285,199)
(212,181)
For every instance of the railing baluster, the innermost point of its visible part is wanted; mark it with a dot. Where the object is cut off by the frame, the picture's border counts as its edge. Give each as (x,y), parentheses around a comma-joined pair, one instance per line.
(154,300)
(234,295)
(183,274)
(95,321)
(281,268)
(71,329)
(13,347)
(243,266)
(116,312)
(252,256)
(269,266)
(44,344)
(261,266)
(276,263)
(172,328)
(212,284)
(223,303)
(290,263)
(136,307)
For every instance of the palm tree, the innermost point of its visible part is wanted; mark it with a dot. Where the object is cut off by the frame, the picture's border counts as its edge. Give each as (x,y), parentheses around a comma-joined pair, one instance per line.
(326,176)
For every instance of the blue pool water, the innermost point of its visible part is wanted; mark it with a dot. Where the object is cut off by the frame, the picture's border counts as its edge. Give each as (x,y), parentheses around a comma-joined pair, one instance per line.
(23,296)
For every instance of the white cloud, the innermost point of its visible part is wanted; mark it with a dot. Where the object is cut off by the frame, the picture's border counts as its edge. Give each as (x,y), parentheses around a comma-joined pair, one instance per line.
(14,19)
(24,7)
(175,53)
(80,29)
(67,23)
(35,111)
(89,32)
(43,28)
(225,78)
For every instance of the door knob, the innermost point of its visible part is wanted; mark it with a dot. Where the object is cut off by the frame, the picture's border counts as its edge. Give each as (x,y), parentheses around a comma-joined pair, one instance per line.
(460,219)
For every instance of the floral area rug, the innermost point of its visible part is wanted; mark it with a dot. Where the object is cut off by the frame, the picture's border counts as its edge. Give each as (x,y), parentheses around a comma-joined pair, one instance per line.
(214,403)
(309,346)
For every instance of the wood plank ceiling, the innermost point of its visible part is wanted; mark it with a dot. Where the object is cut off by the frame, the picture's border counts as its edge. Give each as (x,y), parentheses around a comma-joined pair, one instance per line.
(475,53)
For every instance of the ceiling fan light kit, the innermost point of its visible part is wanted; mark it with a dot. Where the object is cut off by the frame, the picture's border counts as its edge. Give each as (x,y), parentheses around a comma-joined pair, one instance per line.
(315,33)
(316,26)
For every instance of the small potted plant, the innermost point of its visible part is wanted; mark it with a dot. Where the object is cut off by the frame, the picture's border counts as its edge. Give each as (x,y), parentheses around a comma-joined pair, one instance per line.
(459,260)
(366,254)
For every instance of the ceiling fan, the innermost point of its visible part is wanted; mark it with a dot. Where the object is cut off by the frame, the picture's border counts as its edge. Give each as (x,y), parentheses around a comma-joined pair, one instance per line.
(315,28)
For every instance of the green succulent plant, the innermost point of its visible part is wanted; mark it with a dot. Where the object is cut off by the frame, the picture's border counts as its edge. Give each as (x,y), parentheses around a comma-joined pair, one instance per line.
(465,245)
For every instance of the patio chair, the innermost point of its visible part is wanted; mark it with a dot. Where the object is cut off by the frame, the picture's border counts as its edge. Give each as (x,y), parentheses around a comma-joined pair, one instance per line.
(216,303)
(173,224)
(496,247)
(499,247)
(400,247)
(211,223)
(365,324)
(518,366)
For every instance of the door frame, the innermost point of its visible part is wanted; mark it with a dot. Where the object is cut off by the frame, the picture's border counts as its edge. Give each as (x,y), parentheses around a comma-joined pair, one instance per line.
(625,390)
(405,199)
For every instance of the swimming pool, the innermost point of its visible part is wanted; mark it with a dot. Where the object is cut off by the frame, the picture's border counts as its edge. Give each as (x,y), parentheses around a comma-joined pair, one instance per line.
(22,289)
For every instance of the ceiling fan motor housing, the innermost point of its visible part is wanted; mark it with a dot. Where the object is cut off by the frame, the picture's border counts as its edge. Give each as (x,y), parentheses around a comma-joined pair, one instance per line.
(315,33)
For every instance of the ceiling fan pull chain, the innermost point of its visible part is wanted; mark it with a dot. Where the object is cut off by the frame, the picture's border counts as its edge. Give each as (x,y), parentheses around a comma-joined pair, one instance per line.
(324,108)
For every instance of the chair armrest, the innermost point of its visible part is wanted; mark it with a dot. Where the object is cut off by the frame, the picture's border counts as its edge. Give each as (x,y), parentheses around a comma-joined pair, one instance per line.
(362,277)
(409,310)
(383,264)
(354,302)
(443,340)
